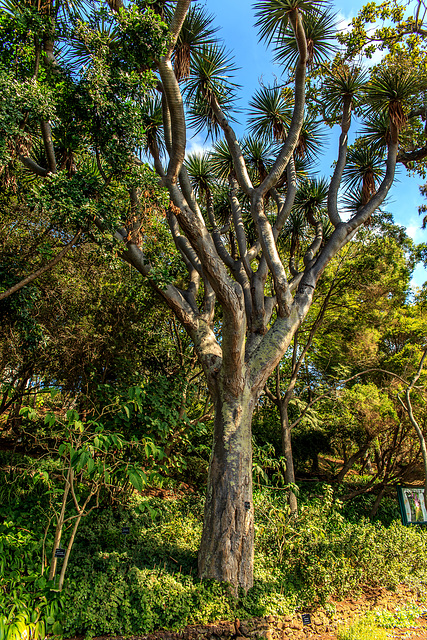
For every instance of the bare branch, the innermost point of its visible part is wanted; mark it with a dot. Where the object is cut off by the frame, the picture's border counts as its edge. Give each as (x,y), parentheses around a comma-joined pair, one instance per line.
(49,265)
(48,145)
(333,214)
(234,148)
(33,166)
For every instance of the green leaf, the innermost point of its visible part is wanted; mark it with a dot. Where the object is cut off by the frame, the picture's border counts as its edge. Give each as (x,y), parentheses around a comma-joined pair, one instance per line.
(79,425)
(136,480)
(57,629)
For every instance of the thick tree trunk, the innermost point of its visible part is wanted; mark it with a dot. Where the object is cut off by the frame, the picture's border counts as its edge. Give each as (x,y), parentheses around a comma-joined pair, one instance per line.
(227,546)
(287,454)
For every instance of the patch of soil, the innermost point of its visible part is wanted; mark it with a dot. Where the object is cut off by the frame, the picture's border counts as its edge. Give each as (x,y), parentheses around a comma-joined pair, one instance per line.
(324,622)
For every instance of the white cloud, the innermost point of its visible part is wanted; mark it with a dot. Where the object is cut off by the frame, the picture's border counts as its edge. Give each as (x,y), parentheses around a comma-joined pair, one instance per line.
(414,231)
(197,144)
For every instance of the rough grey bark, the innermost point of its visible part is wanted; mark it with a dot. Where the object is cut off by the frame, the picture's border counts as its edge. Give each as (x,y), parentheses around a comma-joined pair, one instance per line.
(227,545)
(238,363)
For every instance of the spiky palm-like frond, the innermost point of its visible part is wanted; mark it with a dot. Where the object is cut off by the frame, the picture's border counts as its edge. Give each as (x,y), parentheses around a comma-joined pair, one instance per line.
(79,52)
(200,172)
(196,32)
(342,82)
(270,113)
(222,208)
(163,8)
(210,72)
(258,156)
(354,198)
(389,90)
(302,167)
(295,225)
(351,200)
(364,169)
(376,129)
(310,198)
(293,236)
(320,30)
(201,115)
(310,140)
(273,15)
(152,122)
(221,160)
(209,80)
(328,228)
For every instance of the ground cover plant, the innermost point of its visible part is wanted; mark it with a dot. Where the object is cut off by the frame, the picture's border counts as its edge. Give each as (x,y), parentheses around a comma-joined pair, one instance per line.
(137,582)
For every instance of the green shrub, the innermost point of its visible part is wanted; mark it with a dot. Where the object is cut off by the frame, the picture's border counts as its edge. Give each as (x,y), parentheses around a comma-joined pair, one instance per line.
(401,617)
(28,606)
(322,554)
(134,584)
(362,630)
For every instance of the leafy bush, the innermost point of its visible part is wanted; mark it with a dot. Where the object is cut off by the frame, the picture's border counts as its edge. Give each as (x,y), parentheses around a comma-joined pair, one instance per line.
(136,583)
(28,606)
(362,630)
(324,555)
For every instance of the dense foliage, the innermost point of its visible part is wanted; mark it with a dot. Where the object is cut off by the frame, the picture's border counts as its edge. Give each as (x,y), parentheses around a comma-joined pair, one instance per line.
(147,579)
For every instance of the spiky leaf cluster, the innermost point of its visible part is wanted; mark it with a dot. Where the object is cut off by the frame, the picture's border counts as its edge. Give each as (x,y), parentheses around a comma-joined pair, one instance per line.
(320,33)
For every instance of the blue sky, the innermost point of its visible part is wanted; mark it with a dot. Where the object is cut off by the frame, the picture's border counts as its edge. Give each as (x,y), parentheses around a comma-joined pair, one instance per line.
(236,19)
